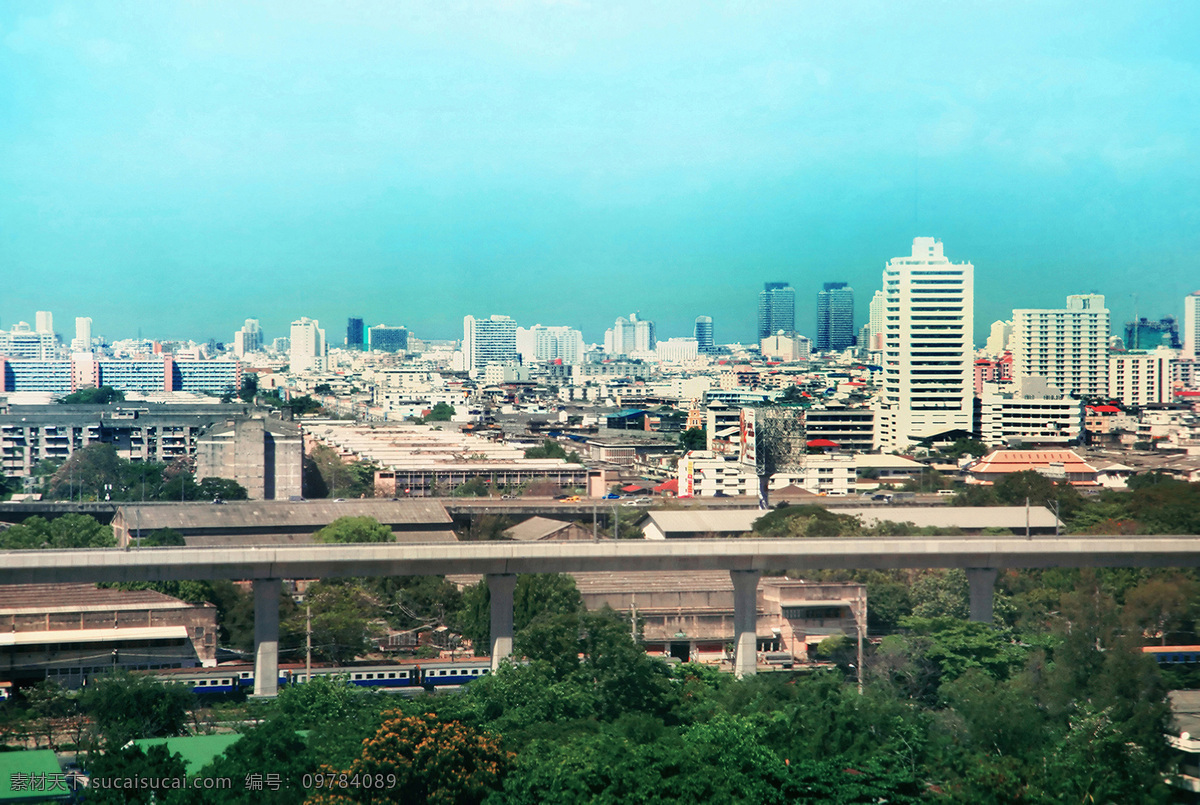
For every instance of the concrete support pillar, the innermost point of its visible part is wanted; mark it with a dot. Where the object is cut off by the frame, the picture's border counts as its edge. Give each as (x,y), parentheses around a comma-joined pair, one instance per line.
(982,581)
(266,636)
(745,621)
(500,587)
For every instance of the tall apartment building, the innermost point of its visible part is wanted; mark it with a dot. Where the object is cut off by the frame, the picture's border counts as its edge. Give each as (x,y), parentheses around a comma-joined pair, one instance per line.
(354,333)
(776,309)
(928,350)
(491,340)
(542,343)
(876,321)
(307,351)
(22,341)
(248,339)
(627,336)
(835,317)
(1067,347)
(44,321)
(1141,378)
(1191,326)
(703,333)
(382,338)
(83,334)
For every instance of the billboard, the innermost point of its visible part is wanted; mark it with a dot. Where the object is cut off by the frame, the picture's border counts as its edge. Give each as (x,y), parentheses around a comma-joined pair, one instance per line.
(748,438)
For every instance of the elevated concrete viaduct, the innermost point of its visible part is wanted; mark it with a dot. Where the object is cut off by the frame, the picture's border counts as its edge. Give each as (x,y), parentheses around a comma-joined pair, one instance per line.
(500,562)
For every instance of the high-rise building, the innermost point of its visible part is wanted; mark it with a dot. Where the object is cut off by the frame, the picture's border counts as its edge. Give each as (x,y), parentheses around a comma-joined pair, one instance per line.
(928,351)
(307,351)
(835,317)
(248,339)
(83,335)
(704,335)
(1141,378)
(22,341)
(1068,347)
(776,310)
(45,321)
(354,333)
(1191,326)
(1146,334)
(492,340)
(878,304)
(541,343)
(382,338)
(630,335)
(998,338)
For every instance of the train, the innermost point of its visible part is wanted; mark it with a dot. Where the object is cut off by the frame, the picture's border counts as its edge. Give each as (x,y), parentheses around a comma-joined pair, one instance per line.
(388,676)
(1173,655)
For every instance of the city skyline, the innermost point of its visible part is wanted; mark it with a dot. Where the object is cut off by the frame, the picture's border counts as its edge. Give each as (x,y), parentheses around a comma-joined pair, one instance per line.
(178,169)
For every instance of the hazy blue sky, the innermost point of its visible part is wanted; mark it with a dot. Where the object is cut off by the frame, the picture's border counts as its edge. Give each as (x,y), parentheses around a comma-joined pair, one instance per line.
(181,166)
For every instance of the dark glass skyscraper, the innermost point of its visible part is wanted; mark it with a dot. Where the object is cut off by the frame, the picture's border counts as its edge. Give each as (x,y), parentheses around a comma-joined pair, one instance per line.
(704,335)
(354,333)
(835,317)
(776,309)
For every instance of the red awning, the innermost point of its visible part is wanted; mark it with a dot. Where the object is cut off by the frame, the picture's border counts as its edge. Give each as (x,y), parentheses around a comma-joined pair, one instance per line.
(822,443)
(632,488)
(668,486)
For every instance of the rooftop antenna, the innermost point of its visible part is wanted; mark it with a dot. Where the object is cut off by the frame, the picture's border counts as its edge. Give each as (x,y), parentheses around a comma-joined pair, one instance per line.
(1137,328)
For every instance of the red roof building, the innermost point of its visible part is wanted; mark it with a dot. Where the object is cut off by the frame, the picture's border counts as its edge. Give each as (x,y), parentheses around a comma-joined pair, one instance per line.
(1054,464)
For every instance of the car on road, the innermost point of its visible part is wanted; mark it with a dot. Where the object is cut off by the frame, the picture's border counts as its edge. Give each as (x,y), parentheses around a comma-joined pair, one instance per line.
(571,499)
(611,496)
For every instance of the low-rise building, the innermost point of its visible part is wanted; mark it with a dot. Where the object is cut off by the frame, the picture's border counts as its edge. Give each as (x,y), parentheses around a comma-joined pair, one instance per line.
(70,633)
(1029,411)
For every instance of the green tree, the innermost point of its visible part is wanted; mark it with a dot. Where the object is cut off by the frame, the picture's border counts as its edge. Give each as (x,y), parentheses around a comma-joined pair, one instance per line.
(129,763)
(126,706)
(1017,487)
(249,387)
(164,538)
(65,531)
(222,489)
(965,447)
(272,747)
(441,412)
(535,594)
(430,760)
(548,449)
(354,529)
(343,617)
(693,439)
(474,488)
(104,395)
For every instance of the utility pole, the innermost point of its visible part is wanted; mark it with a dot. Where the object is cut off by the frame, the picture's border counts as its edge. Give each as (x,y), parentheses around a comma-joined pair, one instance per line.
(1027,534)
(307,642)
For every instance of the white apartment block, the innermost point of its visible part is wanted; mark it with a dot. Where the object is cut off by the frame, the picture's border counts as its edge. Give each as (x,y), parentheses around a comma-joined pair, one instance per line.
(1029,411)
(703,473)
(875,324)
(307,351)
(630,336)
(22,341)
(786,348)
(1068,347)
(1191,325)
(677,350)
(1141,378)
(541,343)
(83,334)
(488,341)
(999,338)
(928,382)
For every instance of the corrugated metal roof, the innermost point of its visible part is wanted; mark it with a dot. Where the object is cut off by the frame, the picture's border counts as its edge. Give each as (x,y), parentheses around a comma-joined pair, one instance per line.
(73,597)
(702,521)
(312,514)
(93,635)
(965,517)
(536,528)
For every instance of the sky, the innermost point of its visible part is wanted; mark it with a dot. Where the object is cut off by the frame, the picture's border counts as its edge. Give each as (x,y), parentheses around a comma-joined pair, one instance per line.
(173,168)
